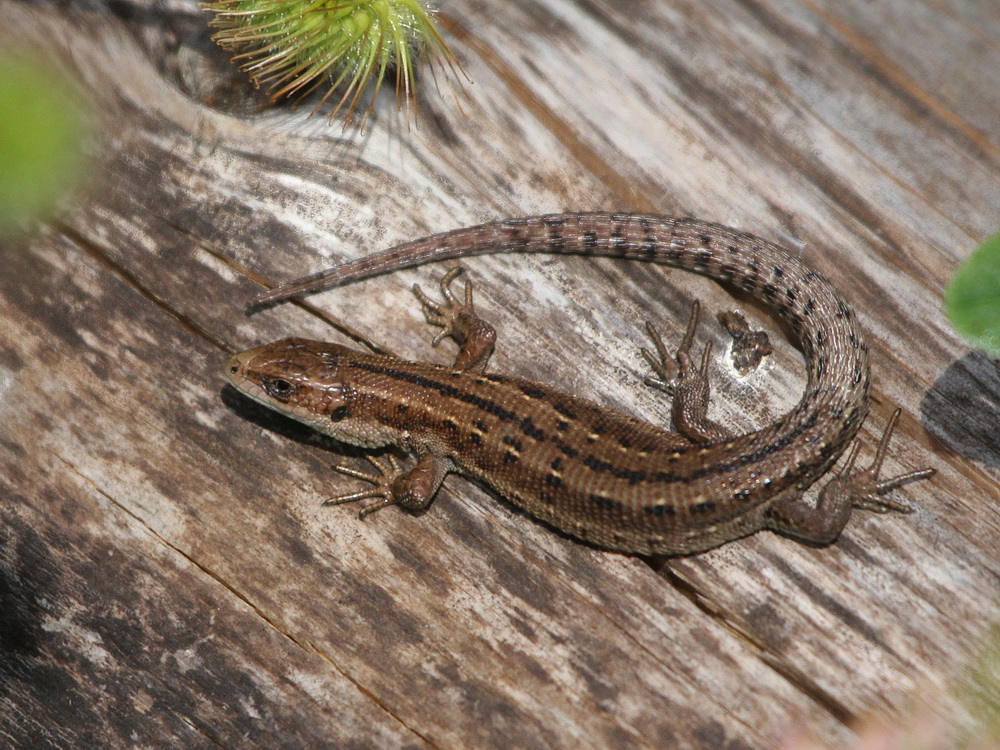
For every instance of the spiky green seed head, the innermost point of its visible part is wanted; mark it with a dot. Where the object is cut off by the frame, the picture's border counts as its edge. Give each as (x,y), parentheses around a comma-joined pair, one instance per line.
(292,47)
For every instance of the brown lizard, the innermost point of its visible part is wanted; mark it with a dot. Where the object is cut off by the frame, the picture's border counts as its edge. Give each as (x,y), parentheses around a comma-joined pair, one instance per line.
(601,476)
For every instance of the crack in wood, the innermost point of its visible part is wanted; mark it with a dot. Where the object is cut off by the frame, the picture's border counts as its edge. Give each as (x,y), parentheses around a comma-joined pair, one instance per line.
(174,548)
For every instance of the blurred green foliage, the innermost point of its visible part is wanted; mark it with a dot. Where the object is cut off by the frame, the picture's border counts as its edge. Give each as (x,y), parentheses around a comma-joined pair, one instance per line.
(972,299)
(981,690)
(43,124)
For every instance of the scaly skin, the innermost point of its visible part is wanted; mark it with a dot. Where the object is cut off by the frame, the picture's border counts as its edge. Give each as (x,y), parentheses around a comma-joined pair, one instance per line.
(599,475)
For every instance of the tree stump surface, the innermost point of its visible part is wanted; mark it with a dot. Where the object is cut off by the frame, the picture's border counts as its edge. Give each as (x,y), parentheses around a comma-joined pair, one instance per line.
(168,575)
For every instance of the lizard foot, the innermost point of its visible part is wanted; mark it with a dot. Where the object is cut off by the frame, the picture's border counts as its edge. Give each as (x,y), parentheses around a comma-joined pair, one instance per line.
(449,313)
(680,377)
(383,492)
(458,320)
(863,489)
(412,488)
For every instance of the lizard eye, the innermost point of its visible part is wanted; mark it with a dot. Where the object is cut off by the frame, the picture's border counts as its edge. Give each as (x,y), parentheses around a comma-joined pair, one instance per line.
(278,389)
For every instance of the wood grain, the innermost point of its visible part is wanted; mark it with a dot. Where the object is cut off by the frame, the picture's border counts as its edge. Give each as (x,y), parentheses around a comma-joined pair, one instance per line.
(168,576)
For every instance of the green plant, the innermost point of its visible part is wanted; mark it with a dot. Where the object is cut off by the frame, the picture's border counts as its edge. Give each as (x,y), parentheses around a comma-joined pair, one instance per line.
(42,128)
(291,47)
(972,299)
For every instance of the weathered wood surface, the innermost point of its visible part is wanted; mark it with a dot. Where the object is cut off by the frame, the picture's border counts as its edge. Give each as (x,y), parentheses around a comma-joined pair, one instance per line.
(168,577)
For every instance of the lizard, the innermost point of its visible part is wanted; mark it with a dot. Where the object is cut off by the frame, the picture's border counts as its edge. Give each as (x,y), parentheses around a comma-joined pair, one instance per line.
(600,476)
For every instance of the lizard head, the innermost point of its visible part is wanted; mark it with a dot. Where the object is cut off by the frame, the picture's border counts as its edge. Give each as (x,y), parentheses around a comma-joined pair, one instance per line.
(307,381)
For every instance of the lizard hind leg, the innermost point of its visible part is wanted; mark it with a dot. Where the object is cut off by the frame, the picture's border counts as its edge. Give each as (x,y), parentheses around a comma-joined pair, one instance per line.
(679,376)
(864,489)
(790,514)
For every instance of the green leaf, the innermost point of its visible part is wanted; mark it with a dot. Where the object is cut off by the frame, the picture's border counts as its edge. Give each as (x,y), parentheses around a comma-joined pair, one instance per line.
(972,299)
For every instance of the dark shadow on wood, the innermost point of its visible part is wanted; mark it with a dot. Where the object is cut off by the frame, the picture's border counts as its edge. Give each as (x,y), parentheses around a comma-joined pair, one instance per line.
(962,409)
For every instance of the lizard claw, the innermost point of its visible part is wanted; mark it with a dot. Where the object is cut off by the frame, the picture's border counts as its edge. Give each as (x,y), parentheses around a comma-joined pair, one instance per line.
(864,488)
(670,377)
(389,471)
(446,314)
(458,320)
(686,381)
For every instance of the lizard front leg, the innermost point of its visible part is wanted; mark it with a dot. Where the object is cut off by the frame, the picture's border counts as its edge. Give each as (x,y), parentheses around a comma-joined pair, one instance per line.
(458,320)
(412,489)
